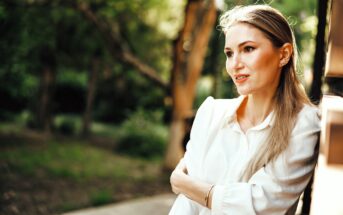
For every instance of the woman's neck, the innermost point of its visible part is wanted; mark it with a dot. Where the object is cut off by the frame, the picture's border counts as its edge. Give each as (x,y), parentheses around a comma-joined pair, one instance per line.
(254,110)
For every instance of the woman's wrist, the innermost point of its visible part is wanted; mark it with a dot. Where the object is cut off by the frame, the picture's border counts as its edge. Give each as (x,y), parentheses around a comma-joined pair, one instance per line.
(192,188)
(208,196)
(197,190)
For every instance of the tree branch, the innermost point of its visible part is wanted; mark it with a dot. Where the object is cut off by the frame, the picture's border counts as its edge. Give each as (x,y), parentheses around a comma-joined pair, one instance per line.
(118,48)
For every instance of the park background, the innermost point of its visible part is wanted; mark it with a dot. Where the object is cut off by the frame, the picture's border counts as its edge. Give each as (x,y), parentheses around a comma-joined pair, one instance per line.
(96,97)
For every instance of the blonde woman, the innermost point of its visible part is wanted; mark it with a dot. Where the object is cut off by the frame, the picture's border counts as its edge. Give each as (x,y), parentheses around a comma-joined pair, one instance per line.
(254,154)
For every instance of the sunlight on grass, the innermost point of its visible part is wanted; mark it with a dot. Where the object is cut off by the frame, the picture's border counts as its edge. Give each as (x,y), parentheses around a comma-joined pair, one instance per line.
(78,161)
(10,127)
(101,197)
(105,130)
(97,128)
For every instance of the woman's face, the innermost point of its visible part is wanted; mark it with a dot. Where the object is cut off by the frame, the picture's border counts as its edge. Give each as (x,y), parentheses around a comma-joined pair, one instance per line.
(251,60)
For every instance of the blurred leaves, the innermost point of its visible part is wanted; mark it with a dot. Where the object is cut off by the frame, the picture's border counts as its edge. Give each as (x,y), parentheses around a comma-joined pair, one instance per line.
(148,27)
(75,161)
(143,135)
(31,26)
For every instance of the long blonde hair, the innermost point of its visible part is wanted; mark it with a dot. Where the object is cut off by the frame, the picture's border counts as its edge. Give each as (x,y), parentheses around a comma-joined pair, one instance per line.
(290,96)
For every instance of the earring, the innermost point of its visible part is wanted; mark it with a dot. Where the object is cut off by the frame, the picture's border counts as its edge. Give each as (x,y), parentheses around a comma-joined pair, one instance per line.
(283,62)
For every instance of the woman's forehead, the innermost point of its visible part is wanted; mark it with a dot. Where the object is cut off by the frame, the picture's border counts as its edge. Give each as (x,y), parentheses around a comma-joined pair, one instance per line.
(241,32)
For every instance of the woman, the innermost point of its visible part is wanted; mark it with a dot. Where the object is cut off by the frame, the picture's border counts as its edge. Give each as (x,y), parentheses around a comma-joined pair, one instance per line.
(254,154)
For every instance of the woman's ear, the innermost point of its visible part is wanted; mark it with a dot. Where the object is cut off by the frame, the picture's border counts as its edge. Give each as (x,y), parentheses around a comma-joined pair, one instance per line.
(285,54)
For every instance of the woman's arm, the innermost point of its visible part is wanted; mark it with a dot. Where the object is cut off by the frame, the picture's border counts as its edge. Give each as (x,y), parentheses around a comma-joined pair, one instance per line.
(275,188)
(182,179)
(271,190)
(194,189)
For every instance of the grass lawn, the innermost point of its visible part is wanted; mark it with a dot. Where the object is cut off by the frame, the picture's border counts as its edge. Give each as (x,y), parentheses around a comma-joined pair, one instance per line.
(50,176)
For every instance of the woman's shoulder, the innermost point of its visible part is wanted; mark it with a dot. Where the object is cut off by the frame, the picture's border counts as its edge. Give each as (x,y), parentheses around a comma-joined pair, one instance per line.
(215,108)
(310,111)
(308,118)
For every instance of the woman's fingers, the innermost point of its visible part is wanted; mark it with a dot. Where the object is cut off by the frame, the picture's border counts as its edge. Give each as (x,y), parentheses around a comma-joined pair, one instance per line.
(176,178)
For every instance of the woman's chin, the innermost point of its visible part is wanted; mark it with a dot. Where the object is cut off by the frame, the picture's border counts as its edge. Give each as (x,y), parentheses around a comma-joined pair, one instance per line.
(243,92)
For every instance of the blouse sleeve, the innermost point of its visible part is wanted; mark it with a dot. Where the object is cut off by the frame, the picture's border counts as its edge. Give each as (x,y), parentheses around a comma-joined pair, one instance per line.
(276,187)
(198,137)
(182,204)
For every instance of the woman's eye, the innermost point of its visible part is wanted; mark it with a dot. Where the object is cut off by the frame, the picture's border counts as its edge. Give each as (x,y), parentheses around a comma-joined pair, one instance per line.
(228,54)
(249,49)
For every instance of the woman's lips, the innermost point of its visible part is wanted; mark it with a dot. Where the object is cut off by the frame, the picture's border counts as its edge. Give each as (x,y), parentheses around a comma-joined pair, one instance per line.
(241,78)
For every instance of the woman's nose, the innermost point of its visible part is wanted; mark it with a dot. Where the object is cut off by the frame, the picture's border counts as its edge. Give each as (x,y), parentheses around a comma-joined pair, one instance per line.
(235,62)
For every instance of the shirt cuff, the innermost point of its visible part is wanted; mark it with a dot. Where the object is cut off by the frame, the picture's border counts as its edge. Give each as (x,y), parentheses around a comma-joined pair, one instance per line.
(217,199)
(235,198)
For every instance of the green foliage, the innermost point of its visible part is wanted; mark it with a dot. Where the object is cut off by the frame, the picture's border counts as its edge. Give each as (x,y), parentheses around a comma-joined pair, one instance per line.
(76,161)
(10,128)
(143,135)
(71,77)
(30,121)
(70,92)
(125,94)
(69,206)
(148,28)
(101,197)
(74,41)
(204,89)
(105,130)
(24,40)
(67,127)
(79,174)
(67,124)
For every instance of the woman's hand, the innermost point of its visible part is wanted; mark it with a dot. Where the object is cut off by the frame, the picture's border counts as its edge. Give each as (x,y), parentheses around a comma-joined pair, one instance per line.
(178,176)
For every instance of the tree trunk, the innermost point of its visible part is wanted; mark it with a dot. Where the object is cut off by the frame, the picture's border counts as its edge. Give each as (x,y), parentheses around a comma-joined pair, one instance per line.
(319,56)
(189,52)
(46,90)
(92,79)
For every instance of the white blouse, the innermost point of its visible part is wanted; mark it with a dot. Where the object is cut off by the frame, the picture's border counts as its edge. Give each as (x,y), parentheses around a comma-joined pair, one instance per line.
(218,151)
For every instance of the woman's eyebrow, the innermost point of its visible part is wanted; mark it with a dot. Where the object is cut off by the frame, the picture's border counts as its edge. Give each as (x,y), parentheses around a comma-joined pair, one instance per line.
(245,42)
(240,44)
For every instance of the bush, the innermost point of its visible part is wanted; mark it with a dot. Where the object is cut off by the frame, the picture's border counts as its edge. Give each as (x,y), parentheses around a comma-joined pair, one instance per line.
(67,126)
(31,121)
(143,135)
(101,197)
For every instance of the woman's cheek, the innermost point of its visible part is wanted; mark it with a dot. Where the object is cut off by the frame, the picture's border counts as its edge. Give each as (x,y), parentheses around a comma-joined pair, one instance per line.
(228,70)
